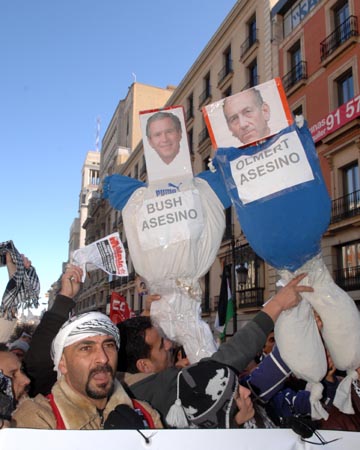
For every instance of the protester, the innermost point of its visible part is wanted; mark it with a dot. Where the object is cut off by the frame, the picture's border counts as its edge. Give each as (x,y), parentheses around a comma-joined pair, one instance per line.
(19,348)
(13,384)
(84,353)
(26,337)
(268,347)
(156,379)
(37,361)
(159,387)
(209,396)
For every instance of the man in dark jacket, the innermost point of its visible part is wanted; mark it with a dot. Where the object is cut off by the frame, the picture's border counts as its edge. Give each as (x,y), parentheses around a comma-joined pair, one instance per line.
(151,376)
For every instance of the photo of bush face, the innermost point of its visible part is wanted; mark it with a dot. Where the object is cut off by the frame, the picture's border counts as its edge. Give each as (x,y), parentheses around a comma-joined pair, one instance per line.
(248,116)
(165,143)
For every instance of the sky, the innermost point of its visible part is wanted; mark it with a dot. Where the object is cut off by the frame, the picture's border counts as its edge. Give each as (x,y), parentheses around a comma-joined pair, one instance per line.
(63,65)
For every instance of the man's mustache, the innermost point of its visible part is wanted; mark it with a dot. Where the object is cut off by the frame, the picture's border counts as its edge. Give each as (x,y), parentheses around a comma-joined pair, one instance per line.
(101,369)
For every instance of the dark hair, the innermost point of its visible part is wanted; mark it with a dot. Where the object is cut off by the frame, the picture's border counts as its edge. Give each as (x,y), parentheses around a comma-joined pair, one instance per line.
(3,347)
(259,101)
(163,115)
(133,346)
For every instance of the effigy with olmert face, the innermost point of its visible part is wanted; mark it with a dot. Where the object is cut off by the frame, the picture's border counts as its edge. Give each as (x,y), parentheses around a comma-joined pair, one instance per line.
(270,169)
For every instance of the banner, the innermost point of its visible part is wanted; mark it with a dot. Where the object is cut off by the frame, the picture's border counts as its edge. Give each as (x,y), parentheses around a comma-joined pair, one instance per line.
(119,309)
(336,119)
(276,439)
(107,254)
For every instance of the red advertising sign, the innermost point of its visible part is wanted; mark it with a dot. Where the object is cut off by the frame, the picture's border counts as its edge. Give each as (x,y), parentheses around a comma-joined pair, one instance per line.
(336,119)
(119,309)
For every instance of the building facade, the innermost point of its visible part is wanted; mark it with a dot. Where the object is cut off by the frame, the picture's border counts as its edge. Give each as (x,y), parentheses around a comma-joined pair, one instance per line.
(319,61)
(119,144)
(314,47)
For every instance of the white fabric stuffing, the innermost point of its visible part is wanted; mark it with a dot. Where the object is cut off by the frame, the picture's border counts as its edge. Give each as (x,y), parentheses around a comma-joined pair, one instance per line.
(341,331)
(173,270)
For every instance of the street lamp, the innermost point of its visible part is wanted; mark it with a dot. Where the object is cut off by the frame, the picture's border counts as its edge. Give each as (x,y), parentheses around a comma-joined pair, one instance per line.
(241,274)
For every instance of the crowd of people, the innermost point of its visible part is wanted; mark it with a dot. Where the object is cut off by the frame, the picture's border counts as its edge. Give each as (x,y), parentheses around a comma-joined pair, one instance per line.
(84,372)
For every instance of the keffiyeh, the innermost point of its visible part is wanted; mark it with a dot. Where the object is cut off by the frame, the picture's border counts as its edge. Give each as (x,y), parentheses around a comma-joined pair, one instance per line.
(23,288)
(80,327)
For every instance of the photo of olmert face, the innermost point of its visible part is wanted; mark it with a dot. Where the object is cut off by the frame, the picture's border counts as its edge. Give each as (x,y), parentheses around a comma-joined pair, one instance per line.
(165,143)
(248,116)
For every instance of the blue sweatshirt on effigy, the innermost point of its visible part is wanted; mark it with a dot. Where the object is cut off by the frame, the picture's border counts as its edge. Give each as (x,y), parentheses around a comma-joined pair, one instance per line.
(279,194)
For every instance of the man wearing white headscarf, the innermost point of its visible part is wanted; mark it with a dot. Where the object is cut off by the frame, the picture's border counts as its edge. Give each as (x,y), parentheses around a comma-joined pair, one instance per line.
(84,353)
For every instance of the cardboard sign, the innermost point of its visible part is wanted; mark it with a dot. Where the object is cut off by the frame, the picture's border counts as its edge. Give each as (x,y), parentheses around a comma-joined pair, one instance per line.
(166,148)
(272,170)
(173,218)
(248,116)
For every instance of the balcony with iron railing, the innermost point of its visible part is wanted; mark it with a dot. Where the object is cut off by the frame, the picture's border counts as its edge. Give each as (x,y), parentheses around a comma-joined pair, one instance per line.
(225,71)
(143,170)
(348,278)
(252,297)
(345,207)
(296,74)
(203,135)
(205,95)
(189,113)
(247,269)
(117,282)
(254,82)
(251,40)
(341,34)
(132,276)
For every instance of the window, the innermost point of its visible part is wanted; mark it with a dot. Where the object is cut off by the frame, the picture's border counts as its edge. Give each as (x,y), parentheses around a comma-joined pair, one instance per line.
(341,14)
(136,171)
(345,87)
(206,93)
(251,37)
(351,187)
(298,111)
(351,179)
(190,107)
(344,26)
(253,73)
(348,274)
(227,61)
(350,255)
(207,85)
(190,136)
(297,13)
(252,31)
(227,92)
(297,67)
(204,133)
(94,177)
(295,59)
(349,204)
